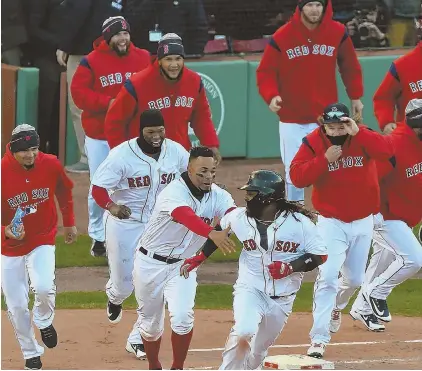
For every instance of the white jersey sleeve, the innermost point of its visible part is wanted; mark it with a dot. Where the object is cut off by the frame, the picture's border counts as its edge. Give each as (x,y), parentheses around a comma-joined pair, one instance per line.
(110,172)
(224,203)
(183,156)
(314,244)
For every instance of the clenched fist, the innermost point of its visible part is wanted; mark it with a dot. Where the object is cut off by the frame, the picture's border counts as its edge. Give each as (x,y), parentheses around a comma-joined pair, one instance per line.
(389,128)
(275,104)
(280,270)
(333,153)
(119,211)
(191,263)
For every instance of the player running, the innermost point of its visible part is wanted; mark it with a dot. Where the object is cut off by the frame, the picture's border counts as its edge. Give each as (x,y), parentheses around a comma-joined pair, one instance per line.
(134,172)
(338,159)
(280,242)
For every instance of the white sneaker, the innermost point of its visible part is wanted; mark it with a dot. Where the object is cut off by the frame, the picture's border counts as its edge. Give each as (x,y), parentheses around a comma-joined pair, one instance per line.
(137,349)
(335,321)
(316,350)
(370,321)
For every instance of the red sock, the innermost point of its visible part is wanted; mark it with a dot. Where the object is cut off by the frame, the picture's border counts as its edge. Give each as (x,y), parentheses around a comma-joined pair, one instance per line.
(152,348)
(180,344)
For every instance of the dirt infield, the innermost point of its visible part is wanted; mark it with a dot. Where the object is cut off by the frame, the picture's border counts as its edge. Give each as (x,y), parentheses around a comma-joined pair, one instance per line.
(88,341)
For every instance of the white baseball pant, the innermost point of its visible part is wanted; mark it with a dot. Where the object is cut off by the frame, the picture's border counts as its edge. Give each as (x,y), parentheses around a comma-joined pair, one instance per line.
(348,247)
(122,237)
(397,257)
(291,136)
(158,283)
(96,151)
(38,266)
(259,320)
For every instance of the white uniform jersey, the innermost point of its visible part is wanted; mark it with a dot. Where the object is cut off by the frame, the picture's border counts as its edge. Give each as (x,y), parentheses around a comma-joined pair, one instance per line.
(288,239)
(164,236)
(135,179)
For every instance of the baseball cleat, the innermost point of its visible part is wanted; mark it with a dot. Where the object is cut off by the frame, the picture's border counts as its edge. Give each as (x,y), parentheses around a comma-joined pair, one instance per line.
(114,312)
(335,321)
(369,320)
(33,363)
(137,349)
(98,249)
(379,307)
(49,336)
(316,350)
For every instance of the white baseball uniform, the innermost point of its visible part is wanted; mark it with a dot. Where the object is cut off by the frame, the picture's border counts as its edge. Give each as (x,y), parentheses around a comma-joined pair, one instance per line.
(397,257)
(134,179)
(261,304)
(156,282)
(291,136)
(348,247)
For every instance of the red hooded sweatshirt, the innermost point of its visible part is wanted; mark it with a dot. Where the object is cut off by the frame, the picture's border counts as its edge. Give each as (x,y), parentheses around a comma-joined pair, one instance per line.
(299,65)
(402,83)
(401,178)
(36,187)
(180,102)
(347,189)
(99,78)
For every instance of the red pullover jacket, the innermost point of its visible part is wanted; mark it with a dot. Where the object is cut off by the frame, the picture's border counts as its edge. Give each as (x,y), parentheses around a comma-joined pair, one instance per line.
(401,178)
(35,187)
(402,83)
(299,65)
(180,102)
(347,189)
(99,78)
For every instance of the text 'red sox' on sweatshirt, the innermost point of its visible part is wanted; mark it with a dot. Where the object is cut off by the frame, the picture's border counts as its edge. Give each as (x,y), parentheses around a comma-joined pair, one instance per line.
(299,65)
(402,83)
(348,188)
(99,78)
(401,178)
(36,187)
(181,102)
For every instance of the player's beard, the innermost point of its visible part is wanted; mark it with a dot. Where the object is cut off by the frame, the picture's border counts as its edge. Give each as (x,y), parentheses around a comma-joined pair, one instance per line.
(254,208)
(120,53)
(147,147)
(169,77)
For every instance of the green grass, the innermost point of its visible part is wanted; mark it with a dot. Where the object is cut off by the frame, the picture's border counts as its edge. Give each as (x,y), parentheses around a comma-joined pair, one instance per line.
(404,300)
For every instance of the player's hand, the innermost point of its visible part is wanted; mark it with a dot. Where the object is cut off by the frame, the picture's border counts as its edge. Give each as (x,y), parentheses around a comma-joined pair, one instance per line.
(333,153)
(61,57)
(192,263)
(357,109)
(70,235)
(280,270)
(21,232)
(222,240)
(120,211)
(350,126)
(389,128)
(217,155)
(275,104)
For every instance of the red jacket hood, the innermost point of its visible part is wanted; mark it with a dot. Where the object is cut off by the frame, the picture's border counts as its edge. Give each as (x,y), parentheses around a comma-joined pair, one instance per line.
(405,130)
(101,45)
(8,158)
(326,18)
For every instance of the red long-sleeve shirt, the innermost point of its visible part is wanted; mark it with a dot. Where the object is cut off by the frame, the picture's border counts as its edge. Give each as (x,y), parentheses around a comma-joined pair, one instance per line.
(299,65)
(401,178)
(180,102)
(402,83)
(347,189)
(99,78)
(36,187)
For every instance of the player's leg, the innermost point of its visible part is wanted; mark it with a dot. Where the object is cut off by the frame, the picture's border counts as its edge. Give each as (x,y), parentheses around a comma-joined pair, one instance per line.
(41,265)
(14,283)
(277,313)
(334,234)
(397,237)
(179,294)
(249,307)
(149,278)
(96,151)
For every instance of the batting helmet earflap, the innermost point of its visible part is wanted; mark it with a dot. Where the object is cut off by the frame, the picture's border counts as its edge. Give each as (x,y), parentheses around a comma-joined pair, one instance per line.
(268,184)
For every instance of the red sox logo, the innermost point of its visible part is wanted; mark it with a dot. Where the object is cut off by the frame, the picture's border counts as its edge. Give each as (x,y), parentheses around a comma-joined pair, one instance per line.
(124,26)
(166,49)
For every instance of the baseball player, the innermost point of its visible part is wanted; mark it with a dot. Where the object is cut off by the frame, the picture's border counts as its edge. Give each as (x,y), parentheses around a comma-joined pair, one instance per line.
(338,159)
(280,242)
(134,172)
(94,87)
(179,225)
(397,252)
(402,83)
(30,180)
(288,80)
(171,87)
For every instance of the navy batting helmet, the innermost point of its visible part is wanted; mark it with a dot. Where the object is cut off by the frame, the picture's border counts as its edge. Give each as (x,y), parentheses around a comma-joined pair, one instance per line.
(268,184)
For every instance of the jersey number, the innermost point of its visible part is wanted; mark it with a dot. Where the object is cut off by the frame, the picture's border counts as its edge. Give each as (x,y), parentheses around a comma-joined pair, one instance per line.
(249,245)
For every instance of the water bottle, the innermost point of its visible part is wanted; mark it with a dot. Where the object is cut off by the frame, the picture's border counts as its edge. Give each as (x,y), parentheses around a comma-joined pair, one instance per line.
(17,222)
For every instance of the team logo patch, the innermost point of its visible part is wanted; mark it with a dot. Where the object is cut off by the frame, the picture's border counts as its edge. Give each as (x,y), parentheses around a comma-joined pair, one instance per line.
(124,25)
(166,48)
